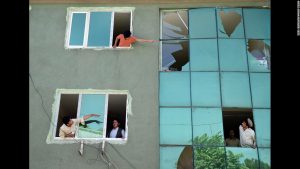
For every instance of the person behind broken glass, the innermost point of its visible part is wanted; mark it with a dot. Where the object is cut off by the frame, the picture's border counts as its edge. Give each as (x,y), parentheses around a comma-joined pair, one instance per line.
(116,132)
(125,39)
(232,141)
(69,127)
(247,135)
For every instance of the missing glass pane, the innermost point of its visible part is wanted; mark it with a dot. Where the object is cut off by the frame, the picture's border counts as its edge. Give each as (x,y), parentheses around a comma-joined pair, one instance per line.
(185,160)
(121,24)
(230,21)
(260,51)
(232,119)
(67,107)
(175,24)
(116,112)
(175,56)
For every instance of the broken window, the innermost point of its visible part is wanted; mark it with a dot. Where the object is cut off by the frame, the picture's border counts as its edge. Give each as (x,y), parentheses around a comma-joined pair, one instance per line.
(232,119)
(175,56)
(96,27)
(109,105)
(260,55)
(174,24)
(230,23)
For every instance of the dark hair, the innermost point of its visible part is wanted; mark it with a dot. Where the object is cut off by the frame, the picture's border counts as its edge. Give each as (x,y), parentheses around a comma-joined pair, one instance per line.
(66,119)
(117,120)
(127,33)
(246,121)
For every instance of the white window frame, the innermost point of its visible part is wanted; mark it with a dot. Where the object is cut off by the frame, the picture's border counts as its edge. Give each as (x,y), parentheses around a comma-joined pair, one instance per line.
(87,11)
(52,139)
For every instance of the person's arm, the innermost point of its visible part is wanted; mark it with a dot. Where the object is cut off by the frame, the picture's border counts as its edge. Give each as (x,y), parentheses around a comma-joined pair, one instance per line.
(90,115)
(145,40)
(116,42)
(61,133)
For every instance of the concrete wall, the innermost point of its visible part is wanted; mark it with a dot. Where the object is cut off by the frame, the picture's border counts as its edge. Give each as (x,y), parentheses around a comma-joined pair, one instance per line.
(136,70)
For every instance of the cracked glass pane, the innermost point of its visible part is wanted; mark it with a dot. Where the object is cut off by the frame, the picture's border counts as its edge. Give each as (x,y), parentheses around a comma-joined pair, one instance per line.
(259,55)
(230,23)
(175,56)
(175,24)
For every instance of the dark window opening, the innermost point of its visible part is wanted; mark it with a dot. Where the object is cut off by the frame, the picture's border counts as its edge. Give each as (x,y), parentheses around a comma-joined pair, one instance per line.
(116,110)
(175,56)
(67,107)
(121,24)
(233,118)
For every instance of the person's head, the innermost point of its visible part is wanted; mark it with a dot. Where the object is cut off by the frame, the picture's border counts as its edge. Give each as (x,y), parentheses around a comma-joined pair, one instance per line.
(115,123)
(67,121)
(127,33)
(245,124)
(231,134)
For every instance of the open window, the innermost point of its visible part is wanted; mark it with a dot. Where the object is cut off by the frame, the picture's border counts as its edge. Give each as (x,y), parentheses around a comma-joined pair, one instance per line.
(232,119)
(108,104)
(96,28)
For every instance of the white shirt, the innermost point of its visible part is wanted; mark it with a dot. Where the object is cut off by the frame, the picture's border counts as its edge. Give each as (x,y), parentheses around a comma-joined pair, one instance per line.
(114,132)
(247,137)
(64,129)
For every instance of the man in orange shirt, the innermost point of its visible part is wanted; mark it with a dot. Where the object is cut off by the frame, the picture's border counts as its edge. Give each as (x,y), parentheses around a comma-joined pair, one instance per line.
(126,40)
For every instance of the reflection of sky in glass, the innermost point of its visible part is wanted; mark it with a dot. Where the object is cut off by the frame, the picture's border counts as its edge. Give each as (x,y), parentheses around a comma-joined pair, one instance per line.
(179,125)
(174,25)
(92,104)
(249,153)
(169,156)
(263,127)
(264,155)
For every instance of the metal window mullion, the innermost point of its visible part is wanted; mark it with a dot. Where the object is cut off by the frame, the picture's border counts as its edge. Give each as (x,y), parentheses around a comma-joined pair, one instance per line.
(86,29)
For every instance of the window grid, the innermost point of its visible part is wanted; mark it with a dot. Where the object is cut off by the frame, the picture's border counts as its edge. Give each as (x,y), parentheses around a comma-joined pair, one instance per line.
(220,81)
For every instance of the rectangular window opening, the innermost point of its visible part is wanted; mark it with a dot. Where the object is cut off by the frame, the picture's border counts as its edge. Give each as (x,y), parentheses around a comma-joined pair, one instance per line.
(232,119)
(95,28)
(91,114)
(122,22)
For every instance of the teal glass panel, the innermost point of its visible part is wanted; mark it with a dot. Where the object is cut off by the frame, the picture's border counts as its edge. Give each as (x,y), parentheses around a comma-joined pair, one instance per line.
(179,116)
(209,158)
(175,24)
(175,55)
(233,56)
(208,126)
(202,23)
(174,89)
(92,104)
(204,55)
(77,29)
(260,89)
(264,158)
(230,23)
(259,55)
(205,89)
(262,127)
(241,158)
(235,89)
(99,30)
(175,126)
(170,156)
(257,23)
